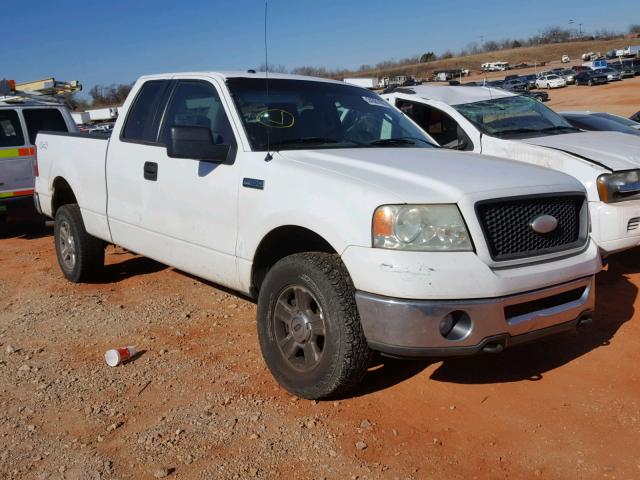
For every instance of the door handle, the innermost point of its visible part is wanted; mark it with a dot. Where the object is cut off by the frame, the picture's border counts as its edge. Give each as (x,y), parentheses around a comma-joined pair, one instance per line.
(151,171)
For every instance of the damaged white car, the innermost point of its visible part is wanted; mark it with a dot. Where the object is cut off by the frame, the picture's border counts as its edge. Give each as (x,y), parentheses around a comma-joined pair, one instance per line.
(499,123)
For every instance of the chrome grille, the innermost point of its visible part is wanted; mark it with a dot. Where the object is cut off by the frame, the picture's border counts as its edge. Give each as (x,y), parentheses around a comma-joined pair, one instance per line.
(506,224)
(633,224)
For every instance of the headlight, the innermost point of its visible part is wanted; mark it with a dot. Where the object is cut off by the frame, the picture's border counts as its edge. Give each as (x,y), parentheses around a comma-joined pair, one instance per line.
(618,186)
(420,227)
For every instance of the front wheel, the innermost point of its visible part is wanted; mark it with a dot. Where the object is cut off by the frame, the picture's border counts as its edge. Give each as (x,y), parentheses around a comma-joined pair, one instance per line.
(309,328)
(80,255)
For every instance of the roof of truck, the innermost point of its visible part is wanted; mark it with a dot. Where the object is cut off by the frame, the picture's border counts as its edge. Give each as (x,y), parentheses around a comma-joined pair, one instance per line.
(456,95)
(224,75)
(14,101)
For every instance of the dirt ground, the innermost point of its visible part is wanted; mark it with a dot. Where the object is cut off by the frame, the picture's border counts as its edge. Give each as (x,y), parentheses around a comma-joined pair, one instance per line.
(198,402)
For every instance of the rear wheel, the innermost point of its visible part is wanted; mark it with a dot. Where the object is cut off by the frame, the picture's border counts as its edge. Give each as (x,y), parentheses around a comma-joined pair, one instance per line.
(80,255)
(309,328)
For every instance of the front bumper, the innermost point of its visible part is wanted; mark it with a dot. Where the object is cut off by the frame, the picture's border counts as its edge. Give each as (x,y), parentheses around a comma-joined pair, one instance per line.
(413,327)
(616,226)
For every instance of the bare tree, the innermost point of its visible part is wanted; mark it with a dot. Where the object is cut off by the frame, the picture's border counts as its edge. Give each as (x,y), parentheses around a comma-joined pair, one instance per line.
(276,68)
(109,95)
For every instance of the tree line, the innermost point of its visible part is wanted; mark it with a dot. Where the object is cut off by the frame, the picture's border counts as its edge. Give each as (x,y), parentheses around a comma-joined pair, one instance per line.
(99,96)
(548,35)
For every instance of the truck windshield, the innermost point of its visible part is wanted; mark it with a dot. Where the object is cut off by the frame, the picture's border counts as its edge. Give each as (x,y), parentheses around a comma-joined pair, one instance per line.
(297,114)
(516,115)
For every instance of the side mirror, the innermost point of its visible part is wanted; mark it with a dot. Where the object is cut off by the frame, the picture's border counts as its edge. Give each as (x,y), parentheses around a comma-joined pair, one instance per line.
(195,143)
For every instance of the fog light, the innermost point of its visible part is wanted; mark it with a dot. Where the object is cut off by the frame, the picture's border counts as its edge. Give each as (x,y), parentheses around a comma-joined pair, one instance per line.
(455,325)
(446,325)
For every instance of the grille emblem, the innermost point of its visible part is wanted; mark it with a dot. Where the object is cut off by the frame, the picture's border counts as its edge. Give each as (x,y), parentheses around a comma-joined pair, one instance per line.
(544,224)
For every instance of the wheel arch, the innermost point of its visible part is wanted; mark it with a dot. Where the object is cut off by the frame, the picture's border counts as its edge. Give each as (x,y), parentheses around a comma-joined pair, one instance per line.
(63,194)
(281,242)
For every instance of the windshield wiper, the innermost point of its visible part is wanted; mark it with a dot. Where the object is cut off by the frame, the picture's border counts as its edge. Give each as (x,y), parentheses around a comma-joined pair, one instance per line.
(398,140)
(516,130)
(559,127)
(302,141)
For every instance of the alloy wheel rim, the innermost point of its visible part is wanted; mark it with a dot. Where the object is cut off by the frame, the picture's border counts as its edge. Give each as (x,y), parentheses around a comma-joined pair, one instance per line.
(299,327)
(67,244)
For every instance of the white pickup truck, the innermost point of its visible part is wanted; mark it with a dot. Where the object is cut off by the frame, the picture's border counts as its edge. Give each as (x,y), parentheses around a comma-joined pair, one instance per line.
(332,209)
(499,123)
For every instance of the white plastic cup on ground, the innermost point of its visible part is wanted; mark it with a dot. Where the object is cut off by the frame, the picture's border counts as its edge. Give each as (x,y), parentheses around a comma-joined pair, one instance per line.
(116,356)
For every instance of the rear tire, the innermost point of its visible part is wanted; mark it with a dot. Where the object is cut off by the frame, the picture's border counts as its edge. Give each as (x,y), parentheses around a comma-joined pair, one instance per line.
(80,255)
(309,328)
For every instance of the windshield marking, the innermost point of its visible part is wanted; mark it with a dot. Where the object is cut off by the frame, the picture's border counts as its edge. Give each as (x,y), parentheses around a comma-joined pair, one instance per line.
(276,118)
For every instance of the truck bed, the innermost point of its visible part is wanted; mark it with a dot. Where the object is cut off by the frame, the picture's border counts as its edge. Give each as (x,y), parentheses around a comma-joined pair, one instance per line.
(79,158)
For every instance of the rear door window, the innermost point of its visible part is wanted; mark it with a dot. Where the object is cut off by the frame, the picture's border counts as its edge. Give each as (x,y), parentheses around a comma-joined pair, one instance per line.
(43,119)
(10,129)
(145,113)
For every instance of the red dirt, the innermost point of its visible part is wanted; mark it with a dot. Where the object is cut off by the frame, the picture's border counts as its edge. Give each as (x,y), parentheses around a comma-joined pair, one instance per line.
(567,407)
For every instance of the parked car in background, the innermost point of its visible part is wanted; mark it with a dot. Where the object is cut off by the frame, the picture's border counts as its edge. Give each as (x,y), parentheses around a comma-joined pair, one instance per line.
(551,81)
(624,70)
(612,75)
(21,118)
(439,253)
(565,59)
(590,78)
(619,119)
(516,85)
(539,95)
(569,76)
(579,68)
(593,122)
(499,123)
(633,64)
(531,79)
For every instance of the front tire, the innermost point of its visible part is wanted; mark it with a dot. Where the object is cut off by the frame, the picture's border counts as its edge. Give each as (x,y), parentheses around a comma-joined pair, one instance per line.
(309,328)
(80,255)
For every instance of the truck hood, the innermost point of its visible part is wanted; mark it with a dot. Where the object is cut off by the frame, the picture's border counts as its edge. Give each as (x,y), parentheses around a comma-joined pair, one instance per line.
(422,175)
(613,150)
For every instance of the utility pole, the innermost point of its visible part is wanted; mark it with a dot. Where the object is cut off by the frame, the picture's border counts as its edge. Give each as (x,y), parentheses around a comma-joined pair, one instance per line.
(571,22)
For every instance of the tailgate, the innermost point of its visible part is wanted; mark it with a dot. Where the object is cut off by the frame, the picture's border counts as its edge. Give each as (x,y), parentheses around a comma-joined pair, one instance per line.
(16,171)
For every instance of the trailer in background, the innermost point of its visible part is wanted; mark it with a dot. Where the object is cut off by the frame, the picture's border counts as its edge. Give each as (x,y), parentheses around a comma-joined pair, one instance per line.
(494,66)
(450,74)
(370,82)
(103,114)
(596,64)
(81,117)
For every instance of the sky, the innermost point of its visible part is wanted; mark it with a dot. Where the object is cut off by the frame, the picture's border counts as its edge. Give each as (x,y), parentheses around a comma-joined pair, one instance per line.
(115,41)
